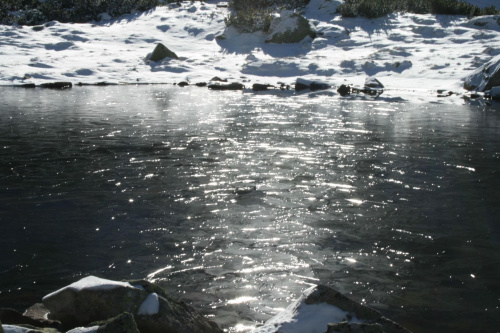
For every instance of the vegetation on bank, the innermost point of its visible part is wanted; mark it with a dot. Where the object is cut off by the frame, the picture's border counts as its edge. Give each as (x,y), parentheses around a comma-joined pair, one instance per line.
(380,8)
(33,12)
(256,15)
(246,15)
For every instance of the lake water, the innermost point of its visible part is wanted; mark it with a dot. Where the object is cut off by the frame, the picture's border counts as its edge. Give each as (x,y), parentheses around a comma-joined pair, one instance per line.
(237,202)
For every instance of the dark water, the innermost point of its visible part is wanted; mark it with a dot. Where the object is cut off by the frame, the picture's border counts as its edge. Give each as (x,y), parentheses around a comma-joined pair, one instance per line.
(238,202)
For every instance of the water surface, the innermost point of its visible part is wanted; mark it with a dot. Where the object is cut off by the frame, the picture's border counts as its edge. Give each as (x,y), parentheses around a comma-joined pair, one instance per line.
(238,202)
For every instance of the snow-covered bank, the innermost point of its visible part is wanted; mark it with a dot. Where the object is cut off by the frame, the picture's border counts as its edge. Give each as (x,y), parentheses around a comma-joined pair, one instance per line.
(407,52)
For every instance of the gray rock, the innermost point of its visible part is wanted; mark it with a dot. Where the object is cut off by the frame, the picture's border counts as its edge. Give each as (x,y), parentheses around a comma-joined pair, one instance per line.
(57,85)
(302,84)
(485,77)
(261,87)
(322,306)
(93,300)
(345,327)
(290,28)
(230,86)
(13,317)
(493,93)
(161,52)
(123,323)
(324,294)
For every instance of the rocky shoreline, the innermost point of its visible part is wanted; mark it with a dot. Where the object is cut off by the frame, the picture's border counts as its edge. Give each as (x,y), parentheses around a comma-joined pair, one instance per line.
(483,84)
(93,304)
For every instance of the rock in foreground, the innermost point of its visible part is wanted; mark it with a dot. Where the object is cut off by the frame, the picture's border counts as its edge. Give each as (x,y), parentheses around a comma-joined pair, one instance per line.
(321,309)
(93,299)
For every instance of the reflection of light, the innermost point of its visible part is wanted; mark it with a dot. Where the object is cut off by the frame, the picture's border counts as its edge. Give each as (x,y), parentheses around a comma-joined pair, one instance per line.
(351,260)
(242,299)
(355,201)
(242,328)
(159,271)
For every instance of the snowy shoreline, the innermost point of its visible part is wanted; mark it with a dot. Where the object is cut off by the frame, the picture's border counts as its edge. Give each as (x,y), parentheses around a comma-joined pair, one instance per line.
(411,54)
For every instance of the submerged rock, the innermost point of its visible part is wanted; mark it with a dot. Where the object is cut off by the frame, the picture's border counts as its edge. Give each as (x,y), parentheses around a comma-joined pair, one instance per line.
(161,52)
(485,77)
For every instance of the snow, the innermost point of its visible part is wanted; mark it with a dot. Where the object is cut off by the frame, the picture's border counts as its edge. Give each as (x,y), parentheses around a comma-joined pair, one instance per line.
(92,329)
(300,317)
(408,53)
(15,329)
(92,283)
(150,306)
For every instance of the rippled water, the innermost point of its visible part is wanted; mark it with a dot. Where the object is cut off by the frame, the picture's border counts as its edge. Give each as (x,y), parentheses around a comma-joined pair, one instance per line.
(238,202)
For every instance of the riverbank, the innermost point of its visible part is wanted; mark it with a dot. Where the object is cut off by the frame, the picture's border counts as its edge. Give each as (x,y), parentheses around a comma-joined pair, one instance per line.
(409,53)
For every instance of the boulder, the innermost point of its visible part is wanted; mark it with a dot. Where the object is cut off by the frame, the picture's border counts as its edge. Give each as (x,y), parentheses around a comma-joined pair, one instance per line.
(93,299)
(485,77)
(230,86)
(321,308)
(11,316)
(161,52)
(123,323)
(302,84)
(344,90)
(345,327)
(373,83)
(493,93)
(261,87)
(57,85)
(290,27)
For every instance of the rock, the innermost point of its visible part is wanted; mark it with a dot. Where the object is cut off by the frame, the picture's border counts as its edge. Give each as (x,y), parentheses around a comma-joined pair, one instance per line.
(26,85)
(183,84)
(290,27)
(344,90)
(372,82)
(13,317)
(57,85)
(485,77)
(320,306)
(494,93)
(38,28)
(230,86)
(218,79)
(93,300)
(161,52)
(345,327)
(27,329)
(1,328)
(302,84)
(201,84)
(261,87)
(324,294)
(123,323)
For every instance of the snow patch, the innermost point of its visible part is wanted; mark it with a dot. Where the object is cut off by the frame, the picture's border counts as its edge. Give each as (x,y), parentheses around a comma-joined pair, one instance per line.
(15,329)
(92,283)
(300,317)
(92,329)
(150,306)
